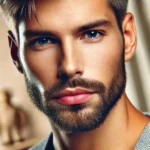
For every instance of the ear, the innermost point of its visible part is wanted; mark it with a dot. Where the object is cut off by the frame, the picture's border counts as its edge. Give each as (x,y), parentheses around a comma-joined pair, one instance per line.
(129,32)
(14,51)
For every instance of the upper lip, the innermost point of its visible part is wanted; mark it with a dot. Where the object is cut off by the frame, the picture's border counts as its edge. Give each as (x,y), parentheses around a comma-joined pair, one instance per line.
(72,92)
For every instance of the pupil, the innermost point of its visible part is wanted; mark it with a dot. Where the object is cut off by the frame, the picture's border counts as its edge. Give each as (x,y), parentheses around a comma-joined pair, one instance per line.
(43,41)
(92,34)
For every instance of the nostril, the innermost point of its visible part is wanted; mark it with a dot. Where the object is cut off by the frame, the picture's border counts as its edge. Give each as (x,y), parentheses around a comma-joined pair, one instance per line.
(79,72)
(64,77)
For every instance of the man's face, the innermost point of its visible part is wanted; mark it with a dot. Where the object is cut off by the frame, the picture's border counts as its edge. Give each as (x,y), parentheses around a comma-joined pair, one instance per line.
(72,56)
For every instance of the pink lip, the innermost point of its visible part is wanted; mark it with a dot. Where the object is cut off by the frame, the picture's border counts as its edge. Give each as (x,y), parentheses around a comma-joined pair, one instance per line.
(73,96)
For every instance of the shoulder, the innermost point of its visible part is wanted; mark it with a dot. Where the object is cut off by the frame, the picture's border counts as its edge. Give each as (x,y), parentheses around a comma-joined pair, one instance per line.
(144,141)
(42,144)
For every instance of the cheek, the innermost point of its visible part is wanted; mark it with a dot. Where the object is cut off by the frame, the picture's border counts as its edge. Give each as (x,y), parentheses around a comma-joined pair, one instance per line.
(103,60)
(43,64)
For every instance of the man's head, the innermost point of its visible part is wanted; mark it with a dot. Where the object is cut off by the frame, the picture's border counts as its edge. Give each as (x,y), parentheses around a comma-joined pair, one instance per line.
(72,54)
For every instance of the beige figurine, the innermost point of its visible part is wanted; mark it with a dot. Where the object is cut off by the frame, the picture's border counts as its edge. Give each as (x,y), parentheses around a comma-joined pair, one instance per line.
(11,120)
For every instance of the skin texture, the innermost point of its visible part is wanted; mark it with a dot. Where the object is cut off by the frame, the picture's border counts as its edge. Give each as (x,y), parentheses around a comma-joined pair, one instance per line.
(71,53)
(75,57)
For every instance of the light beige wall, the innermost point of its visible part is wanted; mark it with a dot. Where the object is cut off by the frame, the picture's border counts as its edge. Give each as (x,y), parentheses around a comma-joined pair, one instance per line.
(138,73)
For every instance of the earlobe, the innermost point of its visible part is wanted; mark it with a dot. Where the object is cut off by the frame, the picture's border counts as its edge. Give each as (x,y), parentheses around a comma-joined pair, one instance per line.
(129,32)
(14,51)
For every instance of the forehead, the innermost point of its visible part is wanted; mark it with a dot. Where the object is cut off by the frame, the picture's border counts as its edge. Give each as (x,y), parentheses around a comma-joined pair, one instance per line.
(69,13)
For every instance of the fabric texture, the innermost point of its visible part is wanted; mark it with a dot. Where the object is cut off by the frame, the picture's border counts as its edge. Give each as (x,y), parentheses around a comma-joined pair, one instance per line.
(142,144)
(45,144)
(144,141)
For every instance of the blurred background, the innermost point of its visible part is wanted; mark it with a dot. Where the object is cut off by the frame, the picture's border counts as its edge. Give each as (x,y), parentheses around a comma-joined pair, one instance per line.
(138,72)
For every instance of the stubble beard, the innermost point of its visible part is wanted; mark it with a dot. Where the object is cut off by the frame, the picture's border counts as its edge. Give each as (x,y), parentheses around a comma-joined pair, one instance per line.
(81,117)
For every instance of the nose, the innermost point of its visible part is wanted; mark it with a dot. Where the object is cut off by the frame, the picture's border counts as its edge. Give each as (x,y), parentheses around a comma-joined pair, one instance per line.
(71,65)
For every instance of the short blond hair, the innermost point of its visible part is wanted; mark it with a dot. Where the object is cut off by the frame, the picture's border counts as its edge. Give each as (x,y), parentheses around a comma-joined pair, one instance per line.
(15,10)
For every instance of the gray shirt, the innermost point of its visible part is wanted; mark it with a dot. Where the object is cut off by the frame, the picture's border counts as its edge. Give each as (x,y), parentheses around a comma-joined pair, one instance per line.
(144,141)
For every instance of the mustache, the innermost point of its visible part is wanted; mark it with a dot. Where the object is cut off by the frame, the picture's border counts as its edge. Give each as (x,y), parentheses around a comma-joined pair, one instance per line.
(92,85)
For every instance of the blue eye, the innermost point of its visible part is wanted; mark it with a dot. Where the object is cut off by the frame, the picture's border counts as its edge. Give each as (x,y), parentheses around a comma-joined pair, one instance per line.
(44,40)
(42,43)
(92,34)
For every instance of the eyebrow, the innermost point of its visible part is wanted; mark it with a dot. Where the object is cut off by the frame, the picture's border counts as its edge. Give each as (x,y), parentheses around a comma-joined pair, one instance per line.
(97,23)
(94,24)
(31,33)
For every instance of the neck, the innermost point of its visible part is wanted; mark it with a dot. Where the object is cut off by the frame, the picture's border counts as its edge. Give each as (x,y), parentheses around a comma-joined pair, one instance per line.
(123,121)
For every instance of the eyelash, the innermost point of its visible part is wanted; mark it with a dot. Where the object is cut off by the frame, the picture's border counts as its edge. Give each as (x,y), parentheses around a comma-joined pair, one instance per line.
(49,40)
(42,41)
(52,40)
(101,33)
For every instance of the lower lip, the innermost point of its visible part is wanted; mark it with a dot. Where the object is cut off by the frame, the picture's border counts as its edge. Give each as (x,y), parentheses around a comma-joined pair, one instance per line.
(73,100)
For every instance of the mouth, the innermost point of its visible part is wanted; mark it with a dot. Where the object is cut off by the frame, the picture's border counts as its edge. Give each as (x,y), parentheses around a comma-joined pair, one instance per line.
(71,96)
